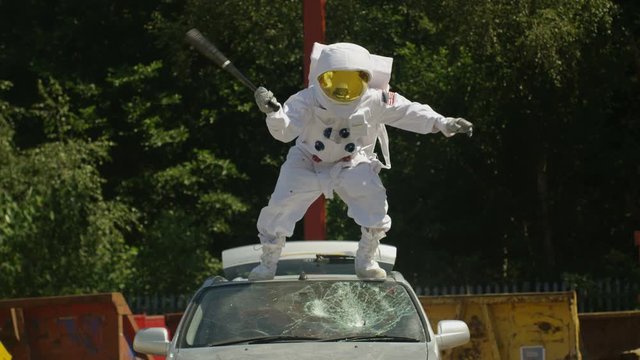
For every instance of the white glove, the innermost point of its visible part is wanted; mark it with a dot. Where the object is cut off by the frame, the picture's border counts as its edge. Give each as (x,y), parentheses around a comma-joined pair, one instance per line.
(459,125)
(266,101)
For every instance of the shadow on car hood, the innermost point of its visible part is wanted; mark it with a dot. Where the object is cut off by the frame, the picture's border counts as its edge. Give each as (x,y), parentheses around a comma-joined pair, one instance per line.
(309,350)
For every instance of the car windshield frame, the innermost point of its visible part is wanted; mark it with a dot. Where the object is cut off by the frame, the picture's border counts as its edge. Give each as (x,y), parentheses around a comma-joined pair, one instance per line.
(244,312)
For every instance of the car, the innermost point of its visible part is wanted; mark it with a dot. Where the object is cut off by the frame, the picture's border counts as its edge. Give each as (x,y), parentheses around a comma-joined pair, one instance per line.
(315,307)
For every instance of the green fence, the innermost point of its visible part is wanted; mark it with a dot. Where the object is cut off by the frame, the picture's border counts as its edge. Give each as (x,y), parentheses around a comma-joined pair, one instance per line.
(596,296)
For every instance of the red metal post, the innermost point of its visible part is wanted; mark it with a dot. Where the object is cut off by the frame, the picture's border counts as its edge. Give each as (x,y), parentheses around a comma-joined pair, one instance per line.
(315,220)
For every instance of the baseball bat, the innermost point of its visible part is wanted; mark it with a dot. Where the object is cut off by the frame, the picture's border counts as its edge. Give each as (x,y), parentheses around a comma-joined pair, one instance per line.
(206,48)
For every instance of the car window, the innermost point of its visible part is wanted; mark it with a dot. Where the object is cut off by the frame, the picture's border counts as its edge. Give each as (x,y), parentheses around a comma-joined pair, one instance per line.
(318,310)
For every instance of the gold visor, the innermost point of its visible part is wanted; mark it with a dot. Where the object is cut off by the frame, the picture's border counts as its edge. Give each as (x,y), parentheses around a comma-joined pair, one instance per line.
(343,85)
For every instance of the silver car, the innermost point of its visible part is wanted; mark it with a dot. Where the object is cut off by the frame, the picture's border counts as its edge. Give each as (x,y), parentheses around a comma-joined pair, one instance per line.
(312,309)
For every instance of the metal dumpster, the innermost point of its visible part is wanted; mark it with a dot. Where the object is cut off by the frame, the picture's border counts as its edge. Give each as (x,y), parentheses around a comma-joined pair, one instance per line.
(609,335)
(526,326)
(96,326)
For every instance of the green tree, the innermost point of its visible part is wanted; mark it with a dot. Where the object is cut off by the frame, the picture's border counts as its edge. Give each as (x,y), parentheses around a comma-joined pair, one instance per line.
(58,235)
(519,200)
(127,134)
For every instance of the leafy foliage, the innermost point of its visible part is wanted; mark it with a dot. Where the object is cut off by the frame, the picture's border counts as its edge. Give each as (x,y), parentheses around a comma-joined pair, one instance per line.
(128,161)
(57,232)
(524,73)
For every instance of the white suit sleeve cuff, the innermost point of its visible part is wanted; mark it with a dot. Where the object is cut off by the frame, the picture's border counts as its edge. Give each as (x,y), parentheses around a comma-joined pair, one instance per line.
(277,120)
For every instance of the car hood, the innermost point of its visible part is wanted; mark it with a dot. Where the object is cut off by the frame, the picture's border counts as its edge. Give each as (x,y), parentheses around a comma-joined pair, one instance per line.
(308,350)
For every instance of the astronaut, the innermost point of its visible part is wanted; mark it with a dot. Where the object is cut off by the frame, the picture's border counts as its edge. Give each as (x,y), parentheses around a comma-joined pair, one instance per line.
(336,122)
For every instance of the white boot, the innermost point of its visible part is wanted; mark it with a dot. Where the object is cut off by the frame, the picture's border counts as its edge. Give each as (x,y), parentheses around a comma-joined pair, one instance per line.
(268,262)
(366,267)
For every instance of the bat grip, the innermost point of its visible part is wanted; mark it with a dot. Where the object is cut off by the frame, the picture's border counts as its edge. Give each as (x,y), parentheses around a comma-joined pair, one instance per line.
(240,76)
(273,105)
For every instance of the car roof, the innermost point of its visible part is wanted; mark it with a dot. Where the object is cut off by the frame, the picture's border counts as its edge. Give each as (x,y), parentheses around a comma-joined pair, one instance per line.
(327,257)
(393,276)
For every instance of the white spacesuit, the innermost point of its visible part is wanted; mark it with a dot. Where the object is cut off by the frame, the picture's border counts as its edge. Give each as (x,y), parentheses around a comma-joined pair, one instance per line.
(336,122)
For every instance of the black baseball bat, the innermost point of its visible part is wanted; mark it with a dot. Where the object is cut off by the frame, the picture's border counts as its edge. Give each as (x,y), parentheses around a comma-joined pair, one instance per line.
(205,47)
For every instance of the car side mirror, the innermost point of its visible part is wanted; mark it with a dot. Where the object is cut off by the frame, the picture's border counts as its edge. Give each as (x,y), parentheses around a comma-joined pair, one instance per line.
(152,341)
(452,333)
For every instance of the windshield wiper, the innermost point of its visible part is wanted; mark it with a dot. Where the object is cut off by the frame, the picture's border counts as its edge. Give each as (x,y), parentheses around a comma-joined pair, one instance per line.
(380,338)
(265,339)
(283,338)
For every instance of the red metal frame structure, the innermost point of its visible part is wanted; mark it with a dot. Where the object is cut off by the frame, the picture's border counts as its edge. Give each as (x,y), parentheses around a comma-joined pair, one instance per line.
(314,26)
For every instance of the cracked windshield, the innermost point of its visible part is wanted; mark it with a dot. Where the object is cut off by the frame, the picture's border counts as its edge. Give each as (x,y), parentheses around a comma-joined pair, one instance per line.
(314,310)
